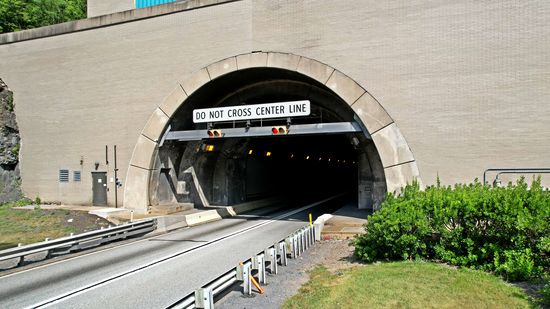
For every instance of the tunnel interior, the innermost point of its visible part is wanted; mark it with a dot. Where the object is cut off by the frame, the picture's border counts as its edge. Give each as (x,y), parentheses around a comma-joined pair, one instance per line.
(228,171)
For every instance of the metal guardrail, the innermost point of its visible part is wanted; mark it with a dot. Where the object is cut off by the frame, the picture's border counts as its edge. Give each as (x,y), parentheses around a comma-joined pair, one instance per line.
(78,242)
(291,246)
(529,170)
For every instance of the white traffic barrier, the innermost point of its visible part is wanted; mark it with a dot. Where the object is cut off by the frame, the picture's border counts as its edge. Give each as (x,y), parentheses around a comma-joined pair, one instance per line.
(292,245)
(319,224)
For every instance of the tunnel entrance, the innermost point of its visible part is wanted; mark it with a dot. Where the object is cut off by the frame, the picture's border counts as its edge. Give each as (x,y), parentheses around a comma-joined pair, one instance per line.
(214,169)
(171,171)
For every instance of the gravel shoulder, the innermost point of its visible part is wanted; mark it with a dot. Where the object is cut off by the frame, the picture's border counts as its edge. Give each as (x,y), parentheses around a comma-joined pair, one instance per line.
(334,254)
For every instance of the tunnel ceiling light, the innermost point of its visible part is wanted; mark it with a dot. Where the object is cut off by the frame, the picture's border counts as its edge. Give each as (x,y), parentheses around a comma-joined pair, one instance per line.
(268,154)
(307,157)
(320,158)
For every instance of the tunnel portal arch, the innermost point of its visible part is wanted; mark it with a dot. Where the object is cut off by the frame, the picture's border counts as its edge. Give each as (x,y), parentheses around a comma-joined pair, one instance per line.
(389,158)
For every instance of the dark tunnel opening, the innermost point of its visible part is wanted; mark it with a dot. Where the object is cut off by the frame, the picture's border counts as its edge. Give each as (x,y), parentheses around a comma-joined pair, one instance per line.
(300,166)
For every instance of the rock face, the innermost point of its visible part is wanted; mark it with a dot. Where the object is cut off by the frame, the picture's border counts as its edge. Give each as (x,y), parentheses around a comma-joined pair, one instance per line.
(10,180)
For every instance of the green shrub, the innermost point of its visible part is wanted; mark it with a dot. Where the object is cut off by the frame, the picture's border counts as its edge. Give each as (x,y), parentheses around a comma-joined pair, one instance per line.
(545,292)
(518,264)
(504,230)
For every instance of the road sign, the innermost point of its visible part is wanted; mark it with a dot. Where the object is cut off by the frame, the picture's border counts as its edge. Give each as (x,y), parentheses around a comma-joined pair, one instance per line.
(254,111)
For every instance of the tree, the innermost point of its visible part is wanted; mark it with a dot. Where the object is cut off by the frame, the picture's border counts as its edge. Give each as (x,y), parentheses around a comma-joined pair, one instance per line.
(13,16)
(17,15)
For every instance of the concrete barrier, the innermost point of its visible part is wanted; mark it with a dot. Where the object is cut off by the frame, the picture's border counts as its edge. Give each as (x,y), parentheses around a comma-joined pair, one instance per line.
(319,224)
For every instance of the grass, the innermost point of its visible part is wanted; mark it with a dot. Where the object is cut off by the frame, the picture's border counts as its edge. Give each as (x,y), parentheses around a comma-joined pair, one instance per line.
(29,226)
(406,285)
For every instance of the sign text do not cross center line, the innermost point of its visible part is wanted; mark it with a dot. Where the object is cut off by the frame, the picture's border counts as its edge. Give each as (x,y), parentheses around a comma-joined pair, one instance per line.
(254,111)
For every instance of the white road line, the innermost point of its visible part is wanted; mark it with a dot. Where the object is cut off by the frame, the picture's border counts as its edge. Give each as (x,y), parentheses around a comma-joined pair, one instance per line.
(79,291)
(99,251)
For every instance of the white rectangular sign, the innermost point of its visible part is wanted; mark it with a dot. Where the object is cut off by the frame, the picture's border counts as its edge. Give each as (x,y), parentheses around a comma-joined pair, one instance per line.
(254,111)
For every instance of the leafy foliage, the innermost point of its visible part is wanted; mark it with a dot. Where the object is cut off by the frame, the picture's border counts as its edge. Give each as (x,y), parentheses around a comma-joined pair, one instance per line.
(504,230)
(18,15)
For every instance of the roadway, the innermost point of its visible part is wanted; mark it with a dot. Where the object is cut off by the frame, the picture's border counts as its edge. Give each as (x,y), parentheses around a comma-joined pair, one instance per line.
(156,272)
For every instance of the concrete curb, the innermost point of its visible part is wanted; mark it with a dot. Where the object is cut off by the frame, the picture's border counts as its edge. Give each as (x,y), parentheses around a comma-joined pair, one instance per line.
(215,213)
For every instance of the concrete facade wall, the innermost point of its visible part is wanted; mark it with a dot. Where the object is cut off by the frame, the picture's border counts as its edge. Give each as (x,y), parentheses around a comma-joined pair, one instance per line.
(103,7)
(467,83)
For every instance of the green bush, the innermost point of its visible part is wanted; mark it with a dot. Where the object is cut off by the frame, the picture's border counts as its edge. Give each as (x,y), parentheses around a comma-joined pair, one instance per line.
(545,292)
(518,264)
(504,230)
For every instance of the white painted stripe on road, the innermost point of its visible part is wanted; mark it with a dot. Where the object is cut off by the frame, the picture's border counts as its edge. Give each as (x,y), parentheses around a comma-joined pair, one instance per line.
(100,250)
(89,287)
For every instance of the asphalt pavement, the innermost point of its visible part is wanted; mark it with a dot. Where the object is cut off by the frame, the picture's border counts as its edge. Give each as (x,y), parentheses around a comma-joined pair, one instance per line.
(157,271)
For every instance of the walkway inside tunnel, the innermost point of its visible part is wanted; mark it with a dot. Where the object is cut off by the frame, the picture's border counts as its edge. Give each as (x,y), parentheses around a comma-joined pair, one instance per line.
(225,170)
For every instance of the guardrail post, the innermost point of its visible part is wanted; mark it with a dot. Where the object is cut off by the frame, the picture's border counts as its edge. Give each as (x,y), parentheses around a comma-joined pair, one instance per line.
(260,264)
(301,241)
(306,240)
(282,253)
(48,252)
(243,274)
(289,244)
(295,247)
(204,298)
(271,256)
